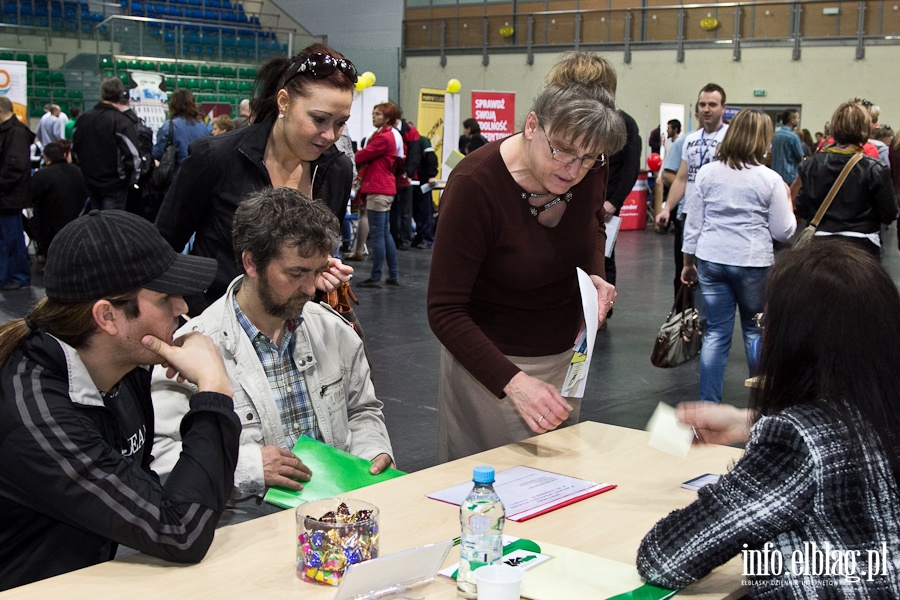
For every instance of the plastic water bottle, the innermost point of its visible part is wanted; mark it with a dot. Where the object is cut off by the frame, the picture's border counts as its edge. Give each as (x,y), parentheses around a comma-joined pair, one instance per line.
(481,516)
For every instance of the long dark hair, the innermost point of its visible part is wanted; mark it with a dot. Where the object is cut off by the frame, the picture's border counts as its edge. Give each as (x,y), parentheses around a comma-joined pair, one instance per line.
(832,338)
(183,104)
(73,323)
(274,72)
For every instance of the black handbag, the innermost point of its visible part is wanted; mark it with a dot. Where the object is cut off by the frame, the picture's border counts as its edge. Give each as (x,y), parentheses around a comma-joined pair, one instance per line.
(162,175)
(679,338)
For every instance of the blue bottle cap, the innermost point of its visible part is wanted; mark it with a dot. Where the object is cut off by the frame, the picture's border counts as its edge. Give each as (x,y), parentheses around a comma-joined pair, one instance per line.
(483,475)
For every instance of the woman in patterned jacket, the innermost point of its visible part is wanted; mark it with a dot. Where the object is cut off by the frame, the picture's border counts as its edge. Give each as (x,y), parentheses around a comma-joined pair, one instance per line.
(818,483)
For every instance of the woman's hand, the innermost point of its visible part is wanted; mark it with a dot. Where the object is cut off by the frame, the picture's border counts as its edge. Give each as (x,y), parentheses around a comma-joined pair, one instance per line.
(334,275)
(715,423)
(606,295)
(540,404)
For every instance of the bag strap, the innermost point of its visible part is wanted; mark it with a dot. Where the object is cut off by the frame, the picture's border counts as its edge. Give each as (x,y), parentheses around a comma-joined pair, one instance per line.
(835,188)
(171,133)
(686,296)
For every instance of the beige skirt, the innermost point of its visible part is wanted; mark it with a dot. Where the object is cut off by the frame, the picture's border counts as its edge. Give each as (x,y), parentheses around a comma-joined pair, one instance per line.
(471,419)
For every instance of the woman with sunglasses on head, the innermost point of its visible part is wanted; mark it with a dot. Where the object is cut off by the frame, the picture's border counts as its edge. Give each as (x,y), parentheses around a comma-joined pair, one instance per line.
(740,207)
(518,216)
(299,106)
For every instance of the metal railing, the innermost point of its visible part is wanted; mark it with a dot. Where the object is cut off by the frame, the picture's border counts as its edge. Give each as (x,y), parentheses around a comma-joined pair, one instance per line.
(729,24)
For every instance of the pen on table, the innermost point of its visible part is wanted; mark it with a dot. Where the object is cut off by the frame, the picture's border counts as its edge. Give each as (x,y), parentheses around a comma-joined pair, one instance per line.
(456,541)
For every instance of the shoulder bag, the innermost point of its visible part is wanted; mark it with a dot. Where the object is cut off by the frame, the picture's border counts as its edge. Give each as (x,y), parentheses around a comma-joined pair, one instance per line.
(810,230)
(162,175)
(679,338)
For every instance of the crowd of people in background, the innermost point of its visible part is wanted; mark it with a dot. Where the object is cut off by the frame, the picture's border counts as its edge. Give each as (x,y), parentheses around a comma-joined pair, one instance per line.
(258,202)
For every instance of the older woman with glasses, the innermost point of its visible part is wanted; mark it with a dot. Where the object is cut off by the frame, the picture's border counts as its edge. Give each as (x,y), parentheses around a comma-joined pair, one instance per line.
(742,205)
(518,216)
(299,109)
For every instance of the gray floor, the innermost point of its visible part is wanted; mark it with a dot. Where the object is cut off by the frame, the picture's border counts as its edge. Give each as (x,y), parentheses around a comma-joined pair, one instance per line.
(623,387)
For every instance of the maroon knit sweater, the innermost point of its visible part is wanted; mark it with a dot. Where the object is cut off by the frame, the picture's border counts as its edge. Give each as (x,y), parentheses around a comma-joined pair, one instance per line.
(501,283)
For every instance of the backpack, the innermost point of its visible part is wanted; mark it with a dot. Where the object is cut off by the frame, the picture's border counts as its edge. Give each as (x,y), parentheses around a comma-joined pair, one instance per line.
(162,176)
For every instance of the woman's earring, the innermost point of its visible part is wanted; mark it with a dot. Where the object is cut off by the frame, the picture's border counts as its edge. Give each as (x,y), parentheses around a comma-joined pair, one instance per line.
(280,115)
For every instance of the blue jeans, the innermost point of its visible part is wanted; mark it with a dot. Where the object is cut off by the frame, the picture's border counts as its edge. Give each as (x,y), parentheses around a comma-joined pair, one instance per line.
(724,287)
(14,266)
(381,242)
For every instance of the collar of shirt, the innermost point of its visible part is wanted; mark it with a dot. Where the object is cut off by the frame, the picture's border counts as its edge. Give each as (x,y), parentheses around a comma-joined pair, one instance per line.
(259,338)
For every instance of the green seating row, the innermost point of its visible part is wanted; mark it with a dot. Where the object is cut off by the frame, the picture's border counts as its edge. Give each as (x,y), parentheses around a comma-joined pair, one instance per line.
(37,60)
(111,67)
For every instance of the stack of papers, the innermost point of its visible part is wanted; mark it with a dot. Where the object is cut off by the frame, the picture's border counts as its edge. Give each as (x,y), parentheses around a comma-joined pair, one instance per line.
(527,493)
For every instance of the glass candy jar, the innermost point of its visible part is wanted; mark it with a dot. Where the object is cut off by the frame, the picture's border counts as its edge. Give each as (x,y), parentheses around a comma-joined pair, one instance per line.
(333,534)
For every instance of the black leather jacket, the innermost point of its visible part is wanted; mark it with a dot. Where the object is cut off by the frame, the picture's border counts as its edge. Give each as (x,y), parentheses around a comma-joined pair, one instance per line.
(216,176)
(864,201)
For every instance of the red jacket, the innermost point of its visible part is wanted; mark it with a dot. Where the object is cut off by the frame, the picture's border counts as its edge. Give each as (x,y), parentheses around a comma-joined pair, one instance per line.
(378,159)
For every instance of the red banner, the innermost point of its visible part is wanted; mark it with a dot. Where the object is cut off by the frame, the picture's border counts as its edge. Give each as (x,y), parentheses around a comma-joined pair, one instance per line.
(495,113)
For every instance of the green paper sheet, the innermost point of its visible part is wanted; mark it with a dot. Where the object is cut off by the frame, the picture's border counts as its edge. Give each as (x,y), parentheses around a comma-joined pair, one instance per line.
(334,472)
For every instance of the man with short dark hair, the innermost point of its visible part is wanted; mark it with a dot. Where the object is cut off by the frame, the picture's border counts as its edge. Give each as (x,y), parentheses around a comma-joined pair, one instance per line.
(787,151)
(58,194)
(15,176)
(76,420)
(472,132)
(297,367)
(106,148)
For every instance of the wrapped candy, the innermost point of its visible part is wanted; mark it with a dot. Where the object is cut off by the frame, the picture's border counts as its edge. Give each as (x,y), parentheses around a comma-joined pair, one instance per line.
(332,535)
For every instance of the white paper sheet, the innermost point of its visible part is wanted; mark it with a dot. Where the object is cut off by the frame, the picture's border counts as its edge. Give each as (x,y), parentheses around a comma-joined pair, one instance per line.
(583,350)
(612,233)
(525,491)
(667,433)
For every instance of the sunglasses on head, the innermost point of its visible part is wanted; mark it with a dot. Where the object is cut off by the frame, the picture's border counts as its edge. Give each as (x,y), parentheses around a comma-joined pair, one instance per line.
(321,66)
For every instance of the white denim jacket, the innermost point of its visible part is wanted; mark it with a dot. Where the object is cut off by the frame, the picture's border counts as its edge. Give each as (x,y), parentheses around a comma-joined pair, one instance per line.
(330,355)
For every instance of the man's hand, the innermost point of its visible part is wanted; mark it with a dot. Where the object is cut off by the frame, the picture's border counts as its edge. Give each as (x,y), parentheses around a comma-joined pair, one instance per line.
(334,275)
(380,463)
(606,296)
(282,467)
(194,358)
(662,219)
(608,210)
(715,423)
(540,404)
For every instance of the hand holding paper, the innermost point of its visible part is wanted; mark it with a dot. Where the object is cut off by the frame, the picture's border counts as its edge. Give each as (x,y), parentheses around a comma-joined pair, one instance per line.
(667,433)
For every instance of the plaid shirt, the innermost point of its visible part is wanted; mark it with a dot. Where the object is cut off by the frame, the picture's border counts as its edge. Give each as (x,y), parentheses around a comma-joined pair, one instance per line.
(798,486)
(286,381)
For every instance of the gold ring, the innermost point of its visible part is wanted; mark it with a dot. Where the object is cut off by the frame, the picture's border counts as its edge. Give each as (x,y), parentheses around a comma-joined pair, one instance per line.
(543,416)
(610,302)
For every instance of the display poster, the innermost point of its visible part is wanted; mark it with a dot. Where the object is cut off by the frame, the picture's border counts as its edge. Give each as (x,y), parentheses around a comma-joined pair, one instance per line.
(211,110)
(431,120)
(14,85)
(148,98)
(495,113)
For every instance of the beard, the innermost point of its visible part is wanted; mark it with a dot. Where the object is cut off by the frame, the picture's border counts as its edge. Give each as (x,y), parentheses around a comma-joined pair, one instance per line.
(291,309)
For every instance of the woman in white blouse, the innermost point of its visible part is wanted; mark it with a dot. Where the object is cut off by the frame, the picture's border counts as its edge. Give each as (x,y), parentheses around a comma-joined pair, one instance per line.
(742,205)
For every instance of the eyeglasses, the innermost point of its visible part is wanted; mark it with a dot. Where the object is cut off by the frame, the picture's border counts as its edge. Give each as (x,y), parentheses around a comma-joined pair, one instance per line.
(567,158)
(321,66)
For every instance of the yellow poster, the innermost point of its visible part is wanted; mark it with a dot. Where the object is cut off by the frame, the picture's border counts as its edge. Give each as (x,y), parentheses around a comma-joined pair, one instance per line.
(431,120)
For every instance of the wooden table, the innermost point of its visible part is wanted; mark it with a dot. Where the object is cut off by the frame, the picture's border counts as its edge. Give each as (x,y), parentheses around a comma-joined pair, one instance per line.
(256,559)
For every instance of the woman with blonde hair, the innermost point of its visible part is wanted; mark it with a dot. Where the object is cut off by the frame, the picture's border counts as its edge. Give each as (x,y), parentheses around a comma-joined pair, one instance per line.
(865,200)
(517,217)
(742,205)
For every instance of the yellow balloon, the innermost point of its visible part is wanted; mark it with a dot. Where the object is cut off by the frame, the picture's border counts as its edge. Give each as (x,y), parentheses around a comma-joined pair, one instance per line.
(360,85)
(453,86)
(369,78)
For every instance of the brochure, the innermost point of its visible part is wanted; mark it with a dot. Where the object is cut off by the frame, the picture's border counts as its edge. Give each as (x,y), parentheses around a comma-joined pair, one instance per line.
(527,492)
